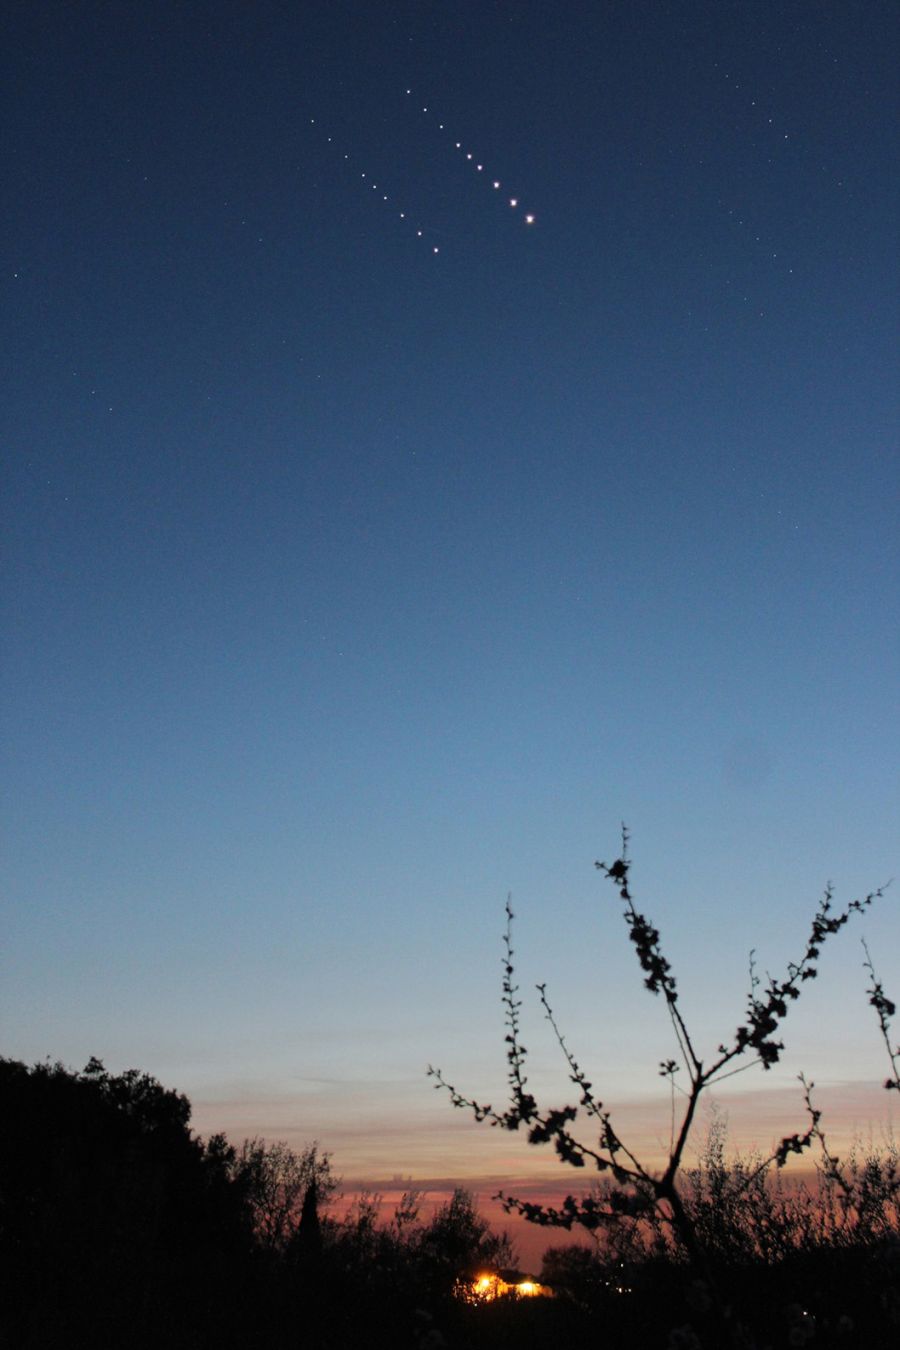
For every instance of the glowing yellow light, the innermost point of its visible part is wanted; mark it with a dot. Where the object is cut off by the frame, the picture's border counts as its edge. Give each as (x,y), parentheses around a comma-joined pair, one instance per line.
(484,1282)
(527,1287)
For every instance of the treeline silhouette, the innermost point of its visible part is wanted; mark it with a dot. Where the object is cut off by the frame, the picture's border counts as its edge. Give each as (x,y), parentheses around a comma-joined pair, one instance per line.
(119,1227)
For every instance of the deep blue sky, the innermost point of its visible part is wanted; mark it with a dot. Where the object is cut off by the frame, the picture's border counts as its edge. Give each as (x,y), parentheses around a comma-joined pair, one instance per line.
(349,585)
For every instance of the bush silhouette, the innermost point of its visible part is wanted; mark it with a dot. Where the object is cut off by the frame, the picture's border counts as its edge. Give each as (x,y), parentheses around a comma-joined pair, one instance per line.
(116,1219)
(652,1212)
(120,1228)
(278,1184)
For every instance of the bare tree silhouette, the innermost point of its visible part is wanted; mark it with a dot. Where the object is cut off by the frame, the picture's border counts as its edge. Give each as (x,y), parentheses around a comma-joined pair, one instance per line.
(636,1192)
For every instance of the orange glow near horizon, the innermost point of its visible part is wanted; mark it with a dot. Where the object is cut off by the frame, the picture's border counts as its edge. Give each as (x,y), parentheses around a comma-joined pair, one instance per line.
(439,1148)
(491,1285)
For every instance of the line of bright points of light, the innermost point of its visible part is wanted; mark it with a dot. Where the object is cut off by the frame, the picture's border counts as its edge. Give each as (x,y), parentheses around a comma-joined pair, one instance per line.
(374,186)
(495,182)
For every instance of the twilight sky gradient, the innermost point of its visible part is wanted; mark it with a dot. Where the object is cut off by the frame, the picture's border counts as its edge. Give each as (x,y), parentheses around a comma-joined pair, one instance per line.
(350,585)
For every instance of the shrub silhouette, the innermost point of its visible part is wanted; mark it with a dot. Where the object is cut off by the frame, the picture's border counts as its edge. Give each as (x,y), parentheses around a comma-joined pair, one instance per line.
(121,1228)
(276,1183)
(116,1220)
(885,1010)
(637,1203)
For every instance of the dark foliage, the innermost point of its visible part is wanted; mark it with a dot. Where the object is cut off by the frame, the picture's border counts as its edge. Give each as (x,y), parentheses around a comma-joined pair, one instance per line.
(282,1189)
(885,1010)
(121,1229)
(117,1226)
(647,1211)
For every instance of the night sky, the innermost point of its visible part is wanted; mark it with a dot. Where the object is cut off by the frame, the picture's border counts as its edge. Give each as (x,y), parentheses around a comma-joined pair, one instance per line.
(356,577)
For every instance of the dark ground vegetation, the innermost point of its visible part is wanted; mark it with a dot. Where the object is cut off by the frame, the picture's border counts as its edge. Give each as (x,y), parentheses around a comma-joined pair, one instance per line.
(722,1257)
(120,1228)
